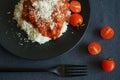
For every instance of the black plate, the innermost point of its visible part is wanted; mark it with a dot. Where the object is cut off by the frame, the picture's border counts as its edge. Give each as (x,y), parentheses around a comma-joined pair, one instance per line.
(10,40)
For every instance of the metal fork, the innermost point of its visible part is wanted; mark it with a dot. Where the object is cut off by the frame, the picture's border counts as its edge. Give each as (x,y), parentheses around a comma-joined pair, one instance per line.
(64,70)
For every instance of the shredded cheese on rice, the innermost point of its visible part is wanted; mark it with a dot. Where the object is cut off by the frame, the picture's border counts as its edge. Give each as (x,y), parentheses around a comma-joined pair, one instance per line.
(33,33)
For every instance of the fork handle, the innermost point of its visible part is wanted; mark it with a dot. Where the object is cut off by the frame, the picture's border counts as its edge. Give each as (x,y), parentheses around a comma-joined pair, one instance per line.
(23,70)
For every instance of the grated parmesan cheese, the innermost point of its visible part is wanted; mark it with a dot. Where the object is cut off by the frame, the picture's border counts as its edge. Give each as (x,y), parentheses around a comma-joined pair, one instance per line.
(44,8)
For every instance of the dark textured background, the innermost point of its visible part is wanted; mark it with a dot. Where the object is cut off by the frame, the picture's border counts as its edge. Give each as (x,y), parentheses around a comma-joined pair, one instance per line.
(103,12)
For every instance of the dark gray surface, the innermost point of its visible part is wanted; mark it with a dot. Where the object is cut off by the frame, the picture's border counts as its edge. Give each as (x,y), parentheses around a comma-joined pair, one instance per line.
(103,12)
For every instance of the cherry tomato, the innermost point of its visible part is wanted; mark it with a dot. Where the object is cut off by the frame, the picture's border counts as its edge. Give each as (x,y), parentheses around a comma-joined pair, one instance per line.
(75,6)
(107,32)
(76,19)
(108,65)
(94,48)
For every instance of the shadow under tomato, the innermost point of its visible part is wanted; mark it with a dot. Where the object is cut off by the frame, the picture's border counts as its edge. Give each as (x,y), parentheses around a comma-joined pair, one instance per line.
(96,33)
(83,49)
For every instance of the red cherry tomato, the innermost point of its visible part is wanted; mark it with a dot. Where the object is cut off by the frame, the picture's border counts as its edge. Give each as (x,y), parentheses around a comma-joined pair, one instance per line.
(107,32)
(75,6)
(108,65)
(94,48)
(76,19)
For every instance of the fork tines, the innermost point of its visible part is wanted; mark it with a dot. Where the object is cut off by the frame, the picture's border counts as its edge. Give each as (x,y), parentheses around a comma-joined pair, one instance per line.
(75,70)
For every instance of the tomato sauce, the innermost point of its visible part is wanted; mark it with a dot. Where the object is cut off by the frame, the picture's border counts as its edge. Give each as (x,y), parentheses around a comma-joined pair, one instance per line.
(30,16)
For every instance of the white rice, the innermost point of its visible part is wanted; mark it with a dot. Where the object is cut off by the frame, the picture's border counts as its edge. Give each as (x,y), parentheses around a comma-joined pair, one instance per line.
(33,34)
